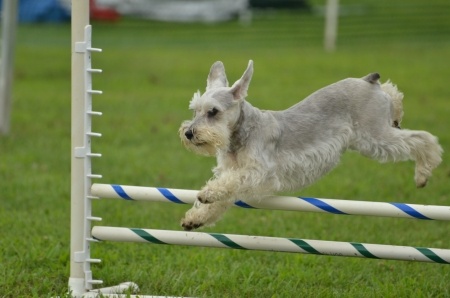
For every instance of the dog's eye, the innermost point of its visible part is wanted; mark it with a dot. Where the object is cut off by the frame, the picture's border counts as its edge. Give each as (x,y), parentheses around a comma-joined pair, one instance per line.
(213,112)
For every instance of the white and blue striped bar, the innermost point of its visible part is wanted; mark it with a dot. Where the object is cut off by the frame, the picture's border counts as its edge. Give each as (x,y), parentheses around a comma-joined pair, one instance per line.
(344,207)
(293,245)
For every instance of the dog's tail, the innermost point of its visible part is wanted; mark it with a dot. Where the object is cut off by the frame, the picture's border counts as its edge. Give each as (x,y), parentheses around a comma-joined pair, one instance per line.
(397,102)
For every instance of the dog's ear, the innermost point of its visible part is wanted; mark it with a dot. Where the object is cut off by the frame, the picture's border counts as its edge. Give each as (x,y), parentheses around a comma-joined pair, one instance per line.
(239,89)
(217,77)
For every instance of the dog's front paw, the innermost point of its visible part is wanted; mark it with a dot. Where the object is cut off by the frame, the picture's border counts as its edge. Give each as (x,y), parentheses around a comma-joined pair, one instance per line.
(206,196)
(210,194)
(204,215)
(194,217)
(189,225)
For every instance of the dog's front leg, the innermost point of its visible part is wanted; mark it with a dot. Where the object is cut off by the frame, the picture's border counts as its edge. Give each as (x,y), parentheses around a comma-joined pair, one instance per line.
(221,188)
(204,214)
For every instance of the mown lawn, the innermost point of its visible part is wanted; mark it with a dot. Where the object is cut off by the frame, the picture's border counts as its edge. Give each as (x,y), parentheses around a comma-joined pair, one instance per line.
(150,71)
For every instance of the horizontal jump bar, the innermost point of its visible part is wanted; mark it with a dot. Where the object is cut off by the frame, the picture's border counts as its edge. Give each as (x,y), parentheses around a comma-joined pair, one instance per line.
(332,206)
(293,245)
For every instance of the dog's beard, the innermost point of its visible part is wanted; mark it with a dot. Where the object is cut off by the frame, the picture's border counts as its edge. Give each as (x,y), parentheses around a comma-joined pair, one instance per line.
(204,142)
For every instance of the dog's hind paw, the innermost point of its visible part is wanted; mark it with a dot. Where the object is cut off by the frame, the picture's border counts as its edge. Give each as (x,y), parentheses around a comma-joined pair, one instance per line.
(421,182)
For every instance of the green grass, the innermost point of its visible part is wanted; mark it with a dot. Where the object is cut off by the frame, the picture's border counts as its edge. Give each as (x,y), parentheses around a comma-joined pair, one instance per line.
(150,71)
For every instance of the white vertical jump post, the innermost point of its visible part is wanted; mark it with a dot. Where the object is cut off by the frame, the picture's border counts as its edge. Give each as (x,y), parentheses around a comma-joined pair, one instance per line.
(83,191)
(80,281)
(80,274)
(9,23)
(331,25)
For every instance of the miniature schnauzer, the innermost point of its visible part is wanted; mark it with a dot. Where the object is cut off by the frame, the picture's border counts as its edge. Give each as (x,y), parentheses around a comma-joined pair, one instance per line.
(262,152)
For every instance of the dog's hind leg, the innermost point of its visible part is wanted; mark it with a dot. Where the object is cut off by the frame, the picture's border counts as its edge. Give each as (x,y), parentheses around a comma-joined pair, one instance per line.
(397,145)
(396,102)
(426,152)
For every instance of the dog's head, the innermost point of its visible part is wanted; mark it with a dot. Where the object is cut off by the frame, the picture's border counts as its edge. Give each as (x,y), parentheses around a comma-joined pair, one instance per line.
(216,111)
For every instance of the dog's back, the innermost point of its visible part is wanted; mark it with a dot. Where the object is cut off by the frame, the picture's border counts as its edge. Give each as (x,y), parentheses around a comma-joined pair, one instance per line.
(351,99)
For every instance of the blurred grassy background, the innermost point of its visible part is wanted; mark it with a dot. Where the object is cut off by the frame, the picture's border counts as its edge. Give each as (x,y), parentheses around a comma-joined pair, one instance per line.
(150,71)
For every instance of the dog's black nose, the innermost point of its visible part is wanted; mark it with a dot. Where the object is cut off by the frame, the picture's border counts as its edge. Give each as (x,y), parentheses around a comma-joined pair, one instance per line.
(189,134)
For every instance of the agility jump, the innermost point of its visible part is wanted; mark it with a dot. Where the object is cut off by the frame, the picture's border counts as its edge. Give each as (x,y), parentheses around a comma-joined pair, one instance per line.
(349,249)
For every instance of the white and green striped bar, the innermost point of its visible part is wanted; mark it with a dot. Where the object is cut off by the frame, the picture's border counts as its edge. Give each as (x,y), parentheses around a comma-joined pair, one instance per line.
(293,245)
(332,206)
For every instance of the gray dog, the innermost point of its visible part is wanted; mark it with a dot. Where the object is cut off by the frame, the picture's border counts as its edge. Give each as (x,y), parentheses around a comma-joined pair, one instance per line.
(263,152)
